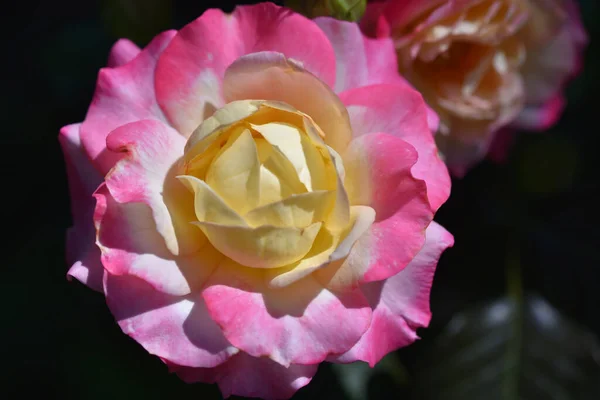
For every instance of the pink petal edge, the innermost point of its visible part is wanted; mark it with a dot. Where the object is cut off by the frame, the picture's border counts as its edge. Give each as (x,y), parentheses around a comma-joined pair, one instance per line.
(83,179)
(190,71)
(300,324)
(401,303)
(378,174)
(177,329)
(244,375)
(400,111)
(123,51)
(123,94)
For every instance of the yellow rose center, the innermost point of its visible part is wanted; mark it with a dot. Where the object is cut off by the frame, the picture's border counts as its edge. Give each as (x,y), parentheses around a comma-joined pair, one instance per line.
(268,192)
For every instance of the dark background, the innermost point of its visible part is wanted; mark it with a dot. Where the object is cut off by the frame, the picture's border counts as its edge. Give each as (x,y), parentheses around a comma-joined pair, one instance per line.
(516,302)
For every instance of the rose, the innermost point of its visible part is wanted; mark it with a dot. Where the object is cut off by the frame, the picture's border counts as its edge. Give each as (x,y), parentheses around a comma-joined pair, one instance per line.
(483,64)
(249,222)
(184,247)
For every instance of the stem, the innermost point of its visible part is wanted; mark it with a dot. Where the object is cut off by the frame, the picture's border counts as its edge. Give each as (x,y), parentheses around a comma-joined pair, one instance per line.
(514,284)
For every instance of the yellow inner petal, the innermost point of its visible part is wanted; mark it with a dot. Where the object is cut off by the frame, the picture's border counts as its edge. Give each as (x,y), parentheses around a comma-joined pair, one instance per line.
(268,192)
(298,210)
(235,172)
(273,187)
(262,247)
(288,140)
(277,167)
(208,205)
(328,247)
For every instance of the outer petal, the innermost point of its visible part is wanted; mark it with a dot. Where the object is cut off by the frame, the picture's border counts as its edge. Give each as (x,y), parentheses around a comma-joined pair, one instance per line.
(460,155)
(549,67)
(177,329)
(373,22)
(270,76)
(138,232)
(381,18)
(189,73)
(247,376)
(300,324)
(501,144)
(131,245)
(400,14)
(401,303)
(123,51)
(82,251)
(360,61)
(146,176)
(378,174)
(123,94)
(541,117)
(400,111)
(267,27)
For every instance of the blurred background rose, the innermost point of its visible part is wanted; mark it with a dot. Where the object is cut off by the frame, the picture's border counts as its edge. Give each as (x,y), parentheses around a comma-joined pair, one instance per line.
(533,217)
(483,64)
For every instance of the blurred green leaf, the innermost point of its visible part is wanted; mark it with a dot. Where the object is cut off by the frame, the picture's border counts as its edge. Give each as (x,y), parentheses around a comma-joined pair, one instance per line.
(513,350)
(346,10)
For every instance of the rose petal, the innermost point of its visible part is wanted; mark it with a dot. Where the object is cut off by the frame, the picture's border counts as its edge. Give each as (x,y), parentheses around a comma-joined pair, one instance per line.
(299,210)
(234,173)
(213,128)
(299,324)
(328,248)
(261,247)
(146,176)
(378,174)
(124,94)
(209,207)
(131,245)
(460,155)
(272,76)
(400,111)
(177,329)
(189,74)
(82,252)
(244,375)
(543,117)
(296,147)
(373,22)
(550,66)
(360,61)
(381,17)
(123,51)
(501,145)
(401,303)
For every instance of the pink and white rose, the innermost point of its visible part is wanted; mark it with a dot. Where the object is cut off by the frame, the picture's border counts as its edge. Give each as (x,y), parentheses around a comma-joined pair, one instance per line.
(483,65)
(254,195)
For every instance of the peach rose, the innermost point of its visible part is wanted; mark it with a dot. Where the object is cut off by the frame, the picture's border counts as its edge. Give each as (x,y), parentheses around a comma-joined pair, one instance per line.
(483,64)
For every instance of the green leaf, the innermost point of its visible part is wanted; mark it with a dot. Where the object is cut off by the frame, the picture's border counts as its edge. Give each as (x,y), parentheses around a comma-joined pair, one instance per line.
(511,350)
(346,10)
